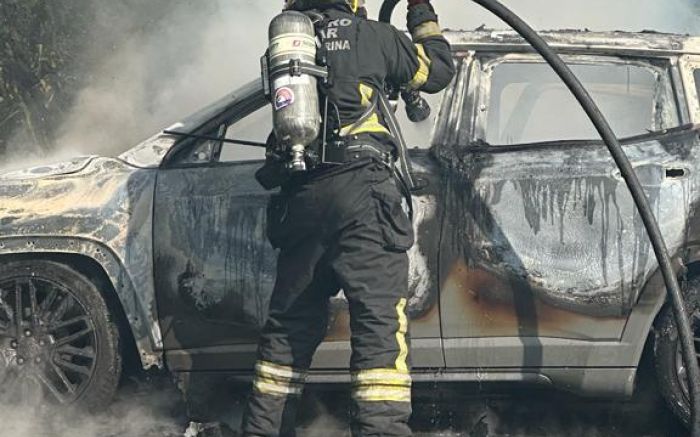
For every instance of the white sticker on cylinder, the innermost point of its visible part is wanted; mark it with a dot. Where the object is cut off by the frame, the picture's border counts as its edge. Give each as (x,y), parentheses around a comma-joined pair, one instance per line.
(291,80)
(293,43)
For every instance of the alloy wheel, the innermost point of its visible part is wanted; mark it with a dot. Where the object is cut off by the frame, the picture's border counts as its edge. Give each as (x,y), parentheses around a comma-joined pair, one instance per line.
(48,342)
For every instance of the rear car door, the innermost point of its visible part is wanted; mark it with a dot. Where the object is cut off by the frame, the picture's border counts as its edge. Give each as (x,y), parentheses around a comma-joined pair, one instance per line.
(543,253)
(215,269)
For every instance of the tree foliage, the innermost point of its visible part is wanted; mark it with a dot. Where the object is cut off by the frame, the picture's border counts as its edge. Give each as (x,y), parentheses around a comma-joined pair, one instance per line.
(39,45)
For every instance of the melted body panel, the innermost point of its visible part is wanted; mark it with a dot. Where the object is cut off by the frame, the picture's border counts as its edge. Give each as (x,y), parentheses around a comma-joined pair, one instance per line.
(96,207)
(534,234)
(215,269)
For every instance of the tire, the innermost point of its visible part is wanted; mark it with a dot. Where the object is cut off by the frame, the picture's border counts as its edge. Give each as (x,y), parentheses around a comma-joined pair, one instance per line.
(667,356)
(65,348)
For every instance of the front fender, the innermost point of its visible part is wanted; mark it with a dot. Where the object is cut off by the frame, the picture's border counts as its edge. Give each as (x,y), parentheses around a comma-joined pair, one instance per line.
(103,211)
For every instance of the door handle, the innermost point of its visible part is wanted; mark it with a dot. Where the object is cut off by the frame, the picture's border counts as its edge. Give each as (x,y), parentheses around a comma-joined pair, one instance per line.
(676,172)
(652,175)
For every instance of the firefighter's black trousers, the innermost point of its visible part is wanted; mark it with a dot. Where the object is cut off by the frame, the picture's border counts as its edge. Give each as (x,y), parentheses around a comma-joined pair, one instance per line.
(348,231)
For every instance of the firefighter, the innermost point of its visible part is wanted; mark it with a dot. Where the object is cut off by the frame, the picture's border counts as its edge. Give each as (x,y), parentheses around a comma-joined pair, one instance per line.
(343,224)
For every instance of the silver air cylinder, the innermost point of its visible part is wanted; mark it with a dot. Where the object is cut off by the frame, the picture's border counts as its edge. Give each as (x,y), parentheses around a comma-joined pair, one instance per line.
(296,113)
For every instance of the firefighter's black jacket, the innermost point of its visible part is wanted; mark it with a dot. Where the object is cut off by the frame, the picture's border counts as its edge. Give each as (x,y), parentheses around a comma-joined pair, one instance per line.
(364,56)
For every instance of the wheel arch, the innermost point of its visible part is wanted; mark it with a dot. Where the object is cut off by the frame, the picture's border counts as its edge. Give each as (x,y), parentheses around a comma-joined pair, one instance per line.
(691,269)
(97,262)
(644,318)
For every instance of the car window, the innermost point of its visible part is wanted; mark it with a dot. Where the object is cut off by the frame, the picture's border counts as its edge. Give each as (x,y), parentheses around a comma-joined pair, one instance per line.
(696,74)
(528,102)
(255,127)
(258,125)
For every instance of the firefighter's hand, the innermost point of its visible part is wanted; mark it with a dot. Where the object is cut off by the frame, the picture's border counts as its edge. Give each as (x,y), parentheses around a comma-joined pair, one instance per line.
(419,12)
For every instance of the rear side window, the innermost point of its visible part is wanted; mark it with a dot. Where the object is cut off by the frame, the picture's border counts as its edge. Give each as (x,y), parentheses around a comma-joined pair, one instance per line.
(529,103)
(697,81)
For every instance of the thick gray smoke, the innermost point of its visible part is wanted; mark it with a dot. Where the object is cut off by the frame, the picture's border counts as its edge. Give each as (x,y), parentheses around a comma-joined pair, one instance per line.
(190,53)
(196,54)
(140,410)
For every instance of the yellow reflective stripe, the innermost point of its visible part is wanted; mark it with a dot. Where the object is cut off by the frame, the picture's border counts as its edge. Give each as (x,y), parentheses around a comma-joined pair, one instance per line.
(371,125)
(267,386)
(421,76)
(276,378)
(279,380)
(401,336)
(277,370)
(379,393)
(382,376)
(366,93)
(426,30)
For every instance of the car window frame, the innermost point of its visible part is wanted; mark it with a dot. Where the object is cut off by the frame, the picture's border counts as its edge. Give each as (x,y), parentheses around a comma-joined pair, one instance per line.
(482,73)
(696,79)
(218,122)
(690,71)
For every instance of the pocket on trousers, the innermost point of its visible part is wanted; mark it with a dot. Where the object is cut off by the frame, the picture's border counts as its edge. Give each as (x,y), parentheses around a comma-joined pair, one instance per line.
(277,211)
(396,227)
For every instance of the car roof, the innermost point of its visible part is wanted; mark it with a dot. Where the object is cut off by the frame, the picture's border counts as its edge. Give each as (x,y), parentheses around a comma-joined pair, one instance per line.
(645,43)
(653,43)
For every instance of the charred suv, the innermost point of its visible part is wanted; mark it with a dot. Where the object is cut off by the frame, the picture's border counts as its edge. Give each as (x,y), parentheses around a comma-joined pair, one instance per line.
(531,262)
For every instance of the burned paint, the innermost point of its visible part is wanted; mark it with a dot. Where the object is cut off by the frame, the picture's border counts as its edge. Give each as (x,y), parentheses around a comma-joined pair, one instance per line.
(150,153)
(215,268)
(571,233)
(94,207)
(489,308)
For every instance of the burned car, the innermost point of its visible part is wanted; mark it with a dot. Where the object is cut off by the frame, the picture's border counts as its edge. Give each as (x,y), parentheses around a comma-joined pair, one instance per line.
(531,262)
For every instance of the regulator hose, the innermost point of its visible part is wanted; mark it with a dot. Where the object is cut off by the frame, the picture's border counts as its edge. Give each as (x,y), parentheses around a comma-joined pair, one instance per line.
(627,171)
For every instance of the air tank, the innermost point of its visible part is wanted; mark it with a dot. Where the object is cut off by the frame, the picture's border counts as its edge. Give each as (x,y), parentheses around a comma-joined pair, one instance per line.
(296,113)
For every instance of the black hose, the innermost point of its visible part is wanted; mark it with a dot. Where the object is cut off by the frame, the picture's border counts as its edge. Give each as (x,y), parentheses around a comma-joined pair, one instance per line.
(627,172)
(387,10)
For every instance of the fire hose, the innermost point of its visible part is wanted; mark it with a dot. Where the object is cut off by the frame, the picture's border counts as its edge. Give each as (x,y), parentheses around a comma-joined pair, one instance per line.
(627,171)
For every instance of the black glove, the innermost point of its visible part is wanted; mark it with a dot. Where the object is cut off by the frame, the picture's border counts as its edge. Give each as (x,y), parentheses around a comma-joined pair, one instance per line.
(417,108)
(419,12)
(271,175)
(274,173)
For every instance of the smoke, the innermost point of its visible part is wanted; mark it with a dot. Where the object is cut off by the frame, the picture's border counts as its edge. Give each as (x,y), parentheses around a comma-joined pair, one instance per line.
(151,63)
(197,53)
(143,408)
(150,66)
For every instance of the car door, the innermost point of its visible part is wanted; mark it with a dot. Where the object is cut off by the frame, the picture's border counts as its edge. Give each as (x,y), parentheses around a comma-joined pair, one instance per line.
(215,270)
(213,265)
(543,253)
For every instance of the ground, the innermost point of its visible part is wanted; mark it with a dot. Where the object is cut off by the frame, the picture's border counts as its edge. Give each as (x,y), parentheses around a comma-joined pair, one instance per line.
(150,405)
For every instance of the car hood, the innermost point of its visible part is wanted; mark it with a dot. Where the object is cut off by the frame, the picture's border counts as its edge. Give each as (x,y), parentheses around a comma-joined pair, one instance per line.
(72,166)
(83,197)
